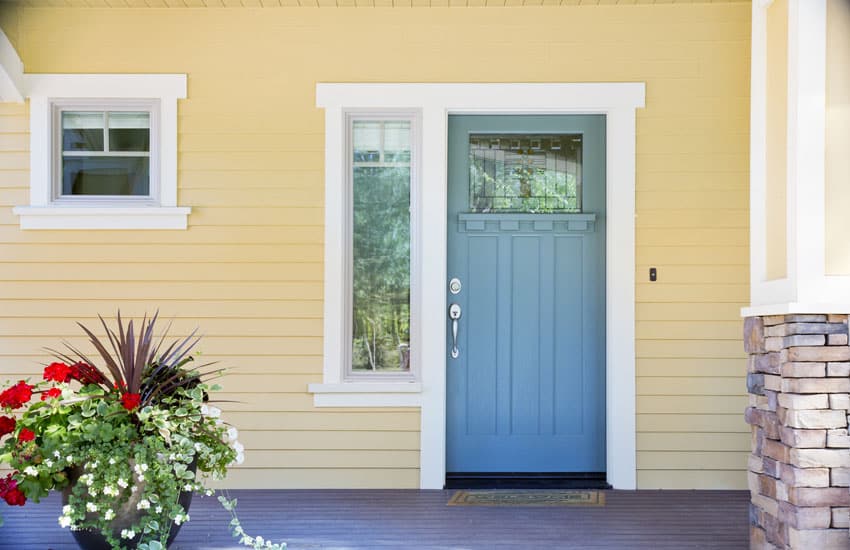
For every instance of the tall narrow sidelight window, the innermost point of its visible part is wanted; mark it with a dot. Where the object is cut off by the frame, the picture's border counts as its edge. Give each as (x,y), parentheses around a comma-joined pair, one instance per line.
(381,176)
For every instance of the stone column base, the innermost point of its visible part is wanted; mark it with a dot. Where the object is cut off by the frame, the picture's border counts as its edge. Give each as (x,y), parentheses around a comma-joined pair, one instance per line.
(799,470)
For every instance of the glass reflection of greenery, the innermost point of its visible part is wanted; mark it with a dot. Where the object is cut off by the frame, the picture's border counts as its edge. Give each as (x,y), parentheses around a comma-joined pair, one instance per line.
(531,174)
(381,270)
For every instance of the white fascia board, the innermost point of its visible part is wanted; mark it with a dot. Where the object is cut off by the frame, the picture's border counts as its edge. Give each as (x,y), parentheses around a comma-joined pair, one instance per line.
(11,72)
(106,85)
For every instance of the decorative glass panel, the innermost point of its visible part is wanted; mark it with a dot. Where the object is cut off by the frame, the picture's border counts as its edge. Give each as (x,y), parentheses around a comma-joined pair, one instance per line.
(381,173)
(525,173)
(105,153)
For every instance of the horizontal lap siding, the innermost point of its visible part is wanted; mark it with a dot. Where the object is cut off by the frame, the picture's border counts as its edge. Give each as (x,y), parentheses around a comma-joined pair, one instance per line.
(249,270)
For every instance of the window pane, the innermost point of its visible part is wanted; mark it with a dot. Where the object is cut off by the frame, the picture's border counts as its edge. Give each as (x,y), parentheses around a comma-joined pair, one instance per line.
(525,173)
(122,176)
(381,247)
(82,131)
(129,131)
(367,141)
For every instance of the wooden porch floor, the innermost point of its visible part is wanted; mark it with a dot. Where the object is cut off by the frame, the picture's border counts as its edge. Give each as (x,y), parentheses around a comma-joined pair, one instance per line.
(401,519)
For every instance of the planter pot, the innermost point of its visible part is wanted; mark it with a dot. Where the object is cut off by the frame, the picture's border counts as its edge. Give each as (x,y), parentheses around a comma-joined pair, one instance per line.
(125,516)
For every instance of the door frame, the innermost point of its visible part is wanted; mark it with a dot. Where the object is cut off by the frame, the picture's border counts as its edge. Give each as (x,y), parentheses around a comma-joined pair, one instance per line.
(435,102)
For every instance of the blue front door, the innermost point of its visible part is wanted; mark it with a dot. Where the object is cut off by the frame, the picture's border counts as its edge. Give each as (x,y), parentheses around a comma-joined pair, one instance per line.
(526,242)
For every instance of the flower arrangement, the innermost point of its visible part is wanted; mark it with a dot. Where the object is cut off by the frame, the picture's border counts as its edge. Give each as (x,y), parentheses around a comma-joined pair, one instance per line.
(122,440)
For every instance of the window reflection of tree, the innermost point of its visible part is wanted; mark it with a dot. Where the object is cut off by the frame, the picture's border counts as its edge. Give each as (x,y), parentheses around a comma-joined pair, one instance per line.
(381,270)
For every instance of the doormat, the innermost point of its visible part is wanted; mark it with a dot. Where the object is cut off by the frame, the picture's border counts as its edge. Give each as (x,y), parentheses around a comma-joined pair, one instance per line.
(527,498)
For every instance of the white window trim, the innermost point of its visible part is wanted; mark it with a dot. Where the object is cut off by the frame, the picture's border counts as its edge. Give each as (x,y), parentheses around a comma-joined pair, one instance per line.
(44,212)
(618,101)
(340,386)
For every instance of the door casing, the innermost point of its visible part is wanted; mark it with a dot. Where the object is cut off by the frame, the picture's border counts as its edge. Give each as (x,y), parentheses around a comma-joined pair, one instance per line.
(618,101)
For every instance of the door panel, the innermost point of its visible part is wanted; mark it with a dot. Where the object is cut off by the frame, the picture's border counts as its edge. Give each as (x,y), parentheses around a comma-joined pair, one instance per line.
(526,393)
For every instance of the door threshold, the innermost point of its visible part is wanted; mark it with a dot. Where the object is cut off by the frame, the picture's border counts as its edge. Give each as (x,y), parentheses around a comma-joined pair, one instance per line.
(526,480)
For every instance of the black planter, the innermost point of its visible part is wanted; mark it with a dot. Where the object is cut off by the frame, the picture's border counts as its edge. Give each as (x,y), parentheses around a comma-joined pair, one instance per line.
(128,515)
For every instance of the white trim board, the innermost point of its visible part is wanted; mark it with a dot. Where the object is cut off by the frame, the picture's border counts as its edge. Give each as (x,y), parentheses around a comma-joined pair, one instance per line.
(11,72)
(435,102)
(44,90)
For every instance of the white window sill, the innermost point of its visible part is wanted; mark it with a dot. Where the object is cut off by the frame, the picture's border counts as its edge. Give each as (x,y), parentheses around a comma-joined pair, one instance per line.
(367,394)
(103,217)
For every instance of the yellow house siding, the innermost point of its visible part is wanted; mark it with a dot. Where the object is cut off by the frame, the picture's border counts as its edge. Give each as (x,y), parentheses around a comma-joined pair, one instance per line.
(249,269)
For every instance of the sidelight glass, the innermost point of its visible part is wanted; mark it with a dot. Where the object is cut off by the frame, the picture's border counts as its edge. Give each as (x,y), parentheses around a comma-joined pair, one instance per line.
(381,182)
(532,173)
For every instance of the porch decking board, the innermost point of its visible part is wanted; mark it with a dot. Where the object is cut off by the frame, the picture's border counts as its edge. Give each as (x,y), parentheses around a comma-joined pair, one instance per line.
(386,519)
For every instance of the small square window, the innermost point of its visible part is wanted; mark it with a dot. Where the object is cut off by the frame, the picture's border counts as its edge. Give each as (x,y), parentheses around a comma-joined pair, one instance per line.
(105,152)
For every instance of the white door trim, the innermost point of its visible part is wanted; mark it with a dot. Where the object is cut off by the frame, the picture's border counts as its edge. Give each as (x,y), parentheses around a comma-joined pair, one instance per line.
(618,102)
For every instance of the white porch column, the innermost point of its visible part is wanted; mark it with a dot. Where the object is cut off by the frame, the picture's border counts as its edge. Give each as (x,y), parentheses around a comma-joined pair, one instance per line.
(793,33)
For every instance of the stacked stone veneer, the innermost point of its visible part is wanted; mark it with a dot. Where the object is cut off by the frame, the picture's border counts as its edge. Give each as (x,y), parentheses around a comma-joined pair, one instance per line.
(799,471)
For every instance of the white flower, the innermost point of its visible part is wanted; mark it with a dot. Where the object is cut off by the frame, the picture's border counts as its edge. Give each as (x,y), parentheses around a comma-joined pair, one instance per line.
(111,491)
(31,471)
(57,454)
(111,461)
(159,509)
(133,489)
(127,533)
(66,509)
(141,477)
(109,515)
(181,518)
(232,433)
(240,458)
(188,487)
(48,462)
(260,540)
(141,468)
(91,507)
(143,504)
(93,491)
(238,447)
(208,492)
(212,412)
(122,482)
(69,459)
(94,465)
(64,521)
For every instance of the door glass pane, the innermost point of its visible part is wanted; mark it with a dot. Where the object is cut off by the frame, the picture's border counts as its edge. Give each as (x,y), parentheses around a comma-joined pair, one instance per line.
(381,246)
(525,173)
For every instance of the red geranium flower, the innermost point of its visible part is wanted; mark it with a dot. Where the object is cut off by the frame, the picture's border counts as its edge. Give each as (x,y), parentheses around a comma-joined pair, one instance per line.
(26,435)
(58,372)
(7,425)
(10,493)
(16,396)
(52,392)
(131,400)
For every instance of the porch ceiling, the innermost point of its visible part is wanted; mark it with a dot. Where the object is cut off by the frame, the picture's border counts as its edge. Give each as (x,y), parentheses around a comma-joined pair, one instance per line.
(342,3)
